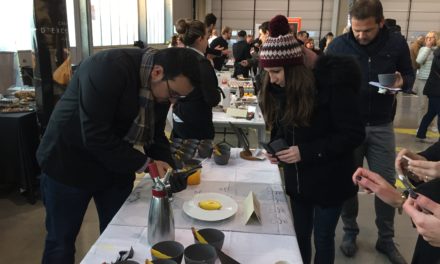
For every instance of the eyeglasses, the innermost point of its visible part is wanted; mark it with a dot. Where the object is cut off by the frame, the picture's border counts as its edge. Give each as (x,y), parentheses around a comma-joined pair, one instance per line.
(173,94)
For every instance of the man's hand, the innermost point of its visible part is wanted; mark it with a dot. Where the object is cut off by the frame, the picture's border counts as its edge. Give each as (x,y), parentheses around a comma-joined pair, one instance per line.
(218,47)
(290,155)
(428,225)
(398,83)
(244,63)
(162,167)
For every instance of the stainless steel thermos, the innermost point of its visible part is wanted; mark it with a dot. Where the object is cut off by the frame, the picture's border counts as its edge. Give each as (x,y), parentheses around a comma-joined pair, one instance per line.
(160,216)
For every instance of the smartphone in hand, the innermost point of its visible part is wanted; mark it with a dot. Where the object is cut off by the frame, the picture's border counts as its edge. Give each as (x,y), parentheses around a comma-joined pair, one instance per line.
(404,163)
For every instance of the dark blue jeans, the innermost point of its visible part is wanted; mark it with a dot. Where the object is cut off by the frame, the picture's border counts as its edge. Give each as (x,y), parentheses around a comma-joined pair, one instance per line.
(433,110)
(65,209)
(308,217)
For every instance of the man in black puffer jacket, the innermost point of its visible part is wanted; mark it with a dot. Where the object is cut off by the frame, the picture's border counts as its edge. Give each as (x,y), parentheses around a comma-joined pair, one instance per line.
(378,51)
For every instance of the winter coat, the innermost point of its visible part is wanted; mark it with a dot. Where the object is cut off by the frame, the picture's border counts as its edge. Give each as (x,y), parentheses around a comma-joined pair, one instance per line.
(83,145)
(388,53)
(424,59)
(323,176)
(432,86)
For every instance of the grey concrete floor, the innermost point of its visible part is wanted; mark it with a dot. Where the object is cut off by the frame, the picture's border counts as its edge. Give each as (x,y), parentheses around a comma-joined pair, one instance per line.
(22,228)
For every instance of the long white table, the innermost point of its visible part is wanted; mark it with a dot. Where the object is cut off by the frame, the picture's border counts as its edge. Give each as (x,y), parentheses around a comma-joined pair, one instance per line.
(272,241)
(221,120)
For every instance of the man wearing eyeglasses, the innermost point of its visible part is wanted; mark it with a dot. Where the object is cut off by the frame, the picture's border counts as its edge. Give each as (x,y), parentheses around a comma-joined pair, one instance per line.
(116,99)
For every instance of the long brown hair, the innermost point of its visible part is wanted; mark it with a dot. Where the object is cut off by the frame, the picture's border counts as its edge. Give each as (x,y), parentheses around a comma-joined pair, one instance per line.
(300,98)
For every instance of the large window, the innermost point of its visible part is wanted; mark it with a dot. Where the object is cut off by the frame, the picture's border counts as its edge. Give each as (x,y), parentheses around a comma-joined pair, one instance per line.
(16,21)
(156,21)
(114,22)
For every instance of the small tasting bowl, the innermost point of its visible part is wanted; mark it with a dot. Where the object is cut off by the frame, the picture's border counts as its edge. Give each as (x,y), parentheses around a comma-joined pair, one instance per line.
(223,148)
(387,79)
(191,141)
(177,140)
(222,159)
(170,248)
(214,237)
(200,254)
(164,261)
(205,150)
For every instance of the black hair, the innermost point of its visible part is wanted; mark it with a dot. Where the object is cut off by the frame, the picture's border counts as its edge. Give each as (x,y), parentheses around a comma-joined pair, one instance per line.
(139,44)
(364,9)
(303,32)
(177,61)
(210,19)
(264,27)
(242,34)
(190,30)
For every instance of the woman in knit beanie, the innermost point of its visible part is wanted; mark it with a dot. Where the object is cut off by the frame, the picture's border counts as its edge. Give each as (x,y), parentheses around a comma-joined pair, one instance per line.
(316,113)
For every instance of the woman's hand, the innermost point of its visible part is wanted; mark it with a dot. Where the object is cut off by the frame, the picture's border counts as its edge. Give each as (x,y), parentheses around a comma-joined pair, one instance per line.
(373,182)
(425,170)
(290,155)
(271,157)
(400,160)
(428,225)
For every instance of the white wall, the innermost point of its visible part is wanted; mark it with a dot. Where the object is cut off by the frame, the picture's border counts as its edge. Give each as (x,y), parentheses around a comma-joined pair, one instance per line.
(238,14)
(182,9)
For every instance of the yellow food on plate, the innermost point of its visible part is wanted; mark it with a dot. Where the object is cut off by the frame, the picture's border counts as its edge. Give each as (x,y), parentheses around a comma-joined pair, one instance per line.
(159,254)
(210,205)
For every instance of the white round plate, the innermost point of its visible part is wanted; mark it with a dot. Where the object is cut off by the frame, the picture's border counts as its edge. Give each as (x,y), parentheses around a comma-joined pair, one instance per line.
(228,209)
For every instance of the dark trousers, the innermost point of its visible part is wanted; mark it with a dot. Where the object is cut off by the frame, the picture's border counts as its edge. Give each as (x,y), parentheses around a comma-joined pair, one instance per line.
(65,209)
(433,110)
(308,217)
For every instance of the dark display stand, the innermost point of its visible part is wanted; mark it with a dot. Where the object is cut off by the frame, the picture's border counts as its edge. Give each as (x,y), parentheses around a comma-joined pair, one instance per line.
(19,141)
(51,48)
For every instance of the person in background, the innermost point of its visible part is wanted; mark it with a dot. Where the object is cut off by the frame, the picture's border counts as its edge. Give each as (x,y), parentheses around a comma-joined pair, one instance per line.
(315,113)
(253,61)
(212,36)
(241,51)
(323,41)
(414,51)
(378,51)
(215,51)
(328,41)
(424,166)
(424,59)
(432,91)
(302,36)
(249,39)
(176,41)
(116,98)
(310,44)
(192,116)
(221,42)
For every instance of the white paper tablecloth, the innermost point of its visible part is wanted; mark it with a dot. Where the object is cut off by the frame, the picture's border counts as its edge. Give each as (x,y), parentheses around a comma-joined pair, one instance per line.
(128,227)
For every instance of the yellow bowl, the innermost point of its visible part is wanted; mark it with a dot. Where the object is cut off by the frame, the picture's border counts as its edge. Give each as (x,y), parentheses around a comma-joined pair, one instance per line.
(194,178)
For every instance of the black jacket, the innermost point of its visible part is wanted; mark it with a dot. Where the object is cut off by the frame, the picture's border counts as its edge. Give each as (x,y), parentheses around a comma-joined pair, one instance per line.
(388,53)
(195,111)
(220,60)
(326,146)
(241,51)
(432,86)
(83,144)
(424,252)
